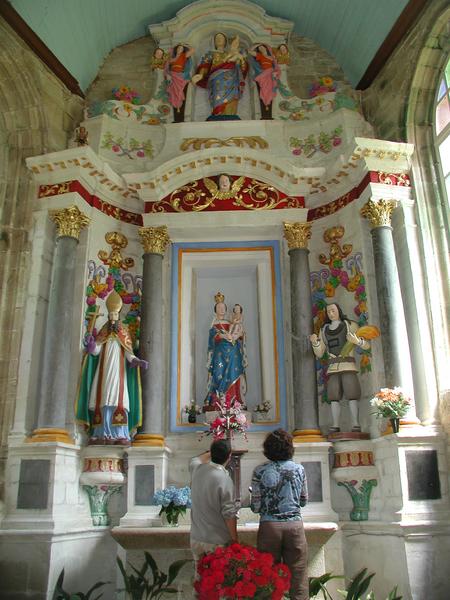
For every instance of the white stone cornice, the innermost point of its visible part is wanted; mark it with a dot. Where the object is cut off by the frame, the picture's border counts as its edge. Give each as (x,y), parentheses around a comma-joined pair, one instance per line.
(202,18)
(381,155)
(85,166)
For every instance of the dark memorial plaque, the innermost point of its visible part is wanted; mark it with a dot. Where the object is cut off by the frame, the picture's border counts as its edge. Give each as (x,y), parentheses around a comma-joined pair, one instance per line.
(313,472)
(144,485)
(34,481)
(423,475)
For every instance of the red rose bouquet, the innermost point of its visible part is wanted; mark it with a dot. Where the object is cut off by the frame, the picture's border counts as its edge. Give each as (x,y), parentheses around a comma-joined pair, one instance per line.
(241,572)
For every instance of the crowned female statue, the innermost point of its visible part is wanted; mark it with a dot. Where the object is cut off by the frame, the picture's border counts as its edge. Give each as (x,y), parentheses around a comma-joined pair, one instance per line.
(226,355)
(222,73)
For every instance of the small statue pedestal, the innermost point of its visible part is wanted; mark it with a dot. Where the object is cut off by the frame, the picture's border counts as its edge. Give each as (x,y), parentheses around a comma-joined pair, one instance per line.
(234,469)
(348,436)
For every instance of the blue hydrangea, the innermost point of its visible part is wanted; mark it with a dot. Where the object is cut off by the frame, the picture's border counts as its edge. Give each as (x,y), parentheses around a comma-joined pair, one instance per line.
(172,494)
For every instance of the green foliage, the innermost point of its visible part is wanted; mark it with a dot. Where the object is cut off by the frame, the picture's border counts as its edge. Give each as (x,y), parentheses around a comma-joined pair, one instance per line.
(139,586)
(355,590)
(61,594)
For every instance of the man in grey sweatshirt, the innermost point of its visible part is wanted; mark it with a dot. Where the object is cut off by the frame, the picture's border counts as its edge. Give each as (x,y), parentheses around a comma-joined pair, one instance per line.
(214,510)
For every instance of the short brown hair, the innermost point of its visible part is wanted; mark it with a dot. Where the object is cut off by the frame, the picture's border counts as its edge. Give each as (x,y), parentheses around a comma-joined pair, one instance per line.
(278,445)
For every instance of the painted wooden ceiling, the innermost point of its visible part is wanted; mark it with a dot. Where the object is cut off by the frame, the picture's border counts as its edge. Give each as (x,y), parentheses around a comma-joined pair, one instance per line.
(81,33)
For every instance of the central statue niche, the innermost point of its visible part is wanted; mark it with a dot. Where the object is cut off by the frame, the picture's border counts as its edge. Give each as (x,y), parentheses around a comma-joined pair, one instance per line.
(222,71)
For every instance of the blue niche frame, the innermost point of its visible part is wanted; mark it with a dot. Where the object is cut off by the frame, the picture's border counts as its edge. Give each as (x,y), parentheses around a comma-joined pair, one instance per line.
(275,245)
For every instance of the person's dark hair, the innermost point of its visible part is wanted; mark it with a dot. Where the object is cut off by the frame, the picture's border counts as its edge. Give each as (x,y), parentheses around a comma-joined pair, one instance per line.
(278,445)
(242,310)
(174,51)
(220,451)
(342,317)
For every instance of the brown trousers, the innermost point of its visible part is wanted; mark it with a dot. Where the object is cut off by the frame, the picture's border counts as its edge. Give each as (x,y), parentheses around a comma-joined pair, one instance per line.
(286,540)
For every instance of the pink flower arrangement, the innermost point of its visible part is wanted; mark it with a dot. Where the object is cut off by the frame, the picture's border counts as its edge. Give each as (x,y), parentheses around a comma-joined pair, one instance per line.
(229,421)
(126,94)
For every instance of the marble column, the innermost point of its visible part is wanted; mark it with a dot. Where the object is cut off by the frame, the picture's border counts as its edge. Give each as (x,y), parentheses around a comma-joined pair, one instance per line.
(306,420)
(394,336)
(154,241)
(56,364)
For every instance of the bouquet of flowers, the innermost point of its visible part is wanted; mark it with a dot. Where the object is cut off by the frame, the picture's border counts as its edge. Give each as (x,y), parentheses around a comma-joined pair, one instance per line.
(192,409)
(391,403)
(173,501)
(239,571)
(230,420)
(264,407)
(322,86)
(126,94)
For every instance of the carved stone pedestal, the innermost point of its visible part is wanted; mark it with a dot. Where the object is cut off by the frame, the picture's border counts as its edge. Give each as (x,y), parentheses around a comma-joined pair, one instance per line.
(103,475)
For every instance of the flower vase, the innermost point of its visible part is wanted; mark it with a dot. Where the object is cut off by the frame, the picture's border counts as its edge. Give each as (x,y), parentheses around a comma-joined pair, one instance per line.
(192,418)
(173,522)
(395,424)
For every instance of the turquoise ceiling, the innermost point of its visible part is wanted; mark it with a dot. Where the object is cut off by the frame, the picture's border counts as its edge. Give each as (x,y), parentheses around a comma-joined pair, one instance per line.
(82,32)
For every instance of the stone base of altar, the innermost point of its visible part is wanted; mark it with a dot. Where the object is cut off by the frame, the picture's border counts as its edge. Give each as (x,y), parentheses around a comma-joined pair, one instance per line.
(167,544)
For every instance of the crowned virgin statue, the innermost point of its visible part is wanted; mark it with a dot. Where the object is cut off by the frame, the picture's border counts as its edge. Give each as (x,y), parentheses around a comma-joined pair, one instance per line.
(222,72)
(226,355)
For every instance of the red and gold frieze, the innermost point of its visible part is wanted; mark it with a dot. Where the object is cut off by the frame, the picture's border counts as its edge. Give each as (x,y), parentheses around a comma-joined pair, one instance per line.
(228,193)
(106,208)
(362,458)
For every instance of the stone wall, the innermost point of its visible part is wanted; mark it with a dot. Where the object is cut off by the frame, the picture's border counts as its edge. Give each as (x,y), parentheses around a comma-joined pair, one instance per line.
(400,106)
(37,115)
(125,65)
(385,102)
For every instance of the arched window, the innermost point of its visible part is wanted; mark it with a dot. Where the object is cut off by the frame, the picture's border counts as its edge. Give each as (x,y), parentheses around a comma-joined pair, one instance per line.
(442,127)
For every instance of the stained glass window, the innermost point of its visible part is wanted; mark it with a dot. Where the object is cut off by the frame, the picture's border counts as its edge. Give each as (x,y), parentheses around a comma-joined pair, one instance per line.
(442,125)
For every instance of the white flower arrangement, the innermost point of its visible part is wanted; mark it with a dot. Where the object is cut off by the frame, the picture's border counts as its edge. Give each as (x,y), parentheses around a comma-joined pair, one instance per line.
(264,407)
(391,403)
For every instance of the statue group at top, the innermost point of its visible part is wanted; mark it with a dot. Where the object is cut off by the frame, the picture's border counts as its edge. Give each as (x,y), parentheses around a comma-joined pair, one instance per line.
(222,72)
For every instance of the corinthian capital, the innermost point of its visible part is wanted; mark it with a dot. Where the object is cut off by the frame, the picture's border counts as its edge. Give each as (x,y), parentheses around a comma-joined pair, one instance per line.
(154,239)
(297,235)
(69,221)
(378,212)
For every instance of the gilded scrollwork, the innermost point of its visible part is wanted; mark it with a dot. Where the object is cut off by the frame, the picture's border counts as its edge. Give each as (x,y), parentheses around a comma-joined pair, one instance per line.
(259,196)
(54,189)
(69,221)
(115,259)
(379,212)
(332,237)
(253,141)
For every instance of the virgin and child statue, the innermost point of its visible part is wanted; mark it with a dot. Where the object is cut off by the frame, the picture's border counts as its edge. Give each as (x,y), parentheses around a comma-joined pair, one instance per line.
(227,358)
(222,72)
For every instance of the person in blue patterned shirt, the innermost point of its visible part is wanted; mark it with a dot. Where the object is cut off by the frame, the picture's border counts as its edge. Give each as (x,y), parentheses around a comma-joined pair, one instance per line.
(279,489)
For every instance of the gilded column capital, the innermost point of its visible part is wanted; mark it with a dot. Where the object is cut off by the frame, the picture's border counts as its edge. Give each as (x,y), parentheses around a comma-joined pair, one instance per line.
(297,235)
(154,239)
(69,221)
(379,212)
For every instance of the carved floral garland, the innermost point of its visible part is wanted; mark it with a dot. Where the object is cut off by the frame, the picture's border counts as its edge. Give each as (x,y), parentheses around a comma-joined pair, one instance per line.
(135,149)
(324,142)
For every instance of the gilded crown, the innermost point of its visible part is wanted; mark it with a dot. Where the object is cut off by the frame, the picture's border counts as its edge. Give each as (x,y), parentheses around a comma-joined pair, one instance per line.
(219,297)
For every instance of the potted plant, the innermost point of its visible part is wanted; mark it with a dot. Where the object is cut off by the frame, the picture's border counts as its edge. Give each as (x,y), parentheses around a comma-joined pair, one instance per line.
(392,404)
(192,411)
(174,502)
(138,585)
